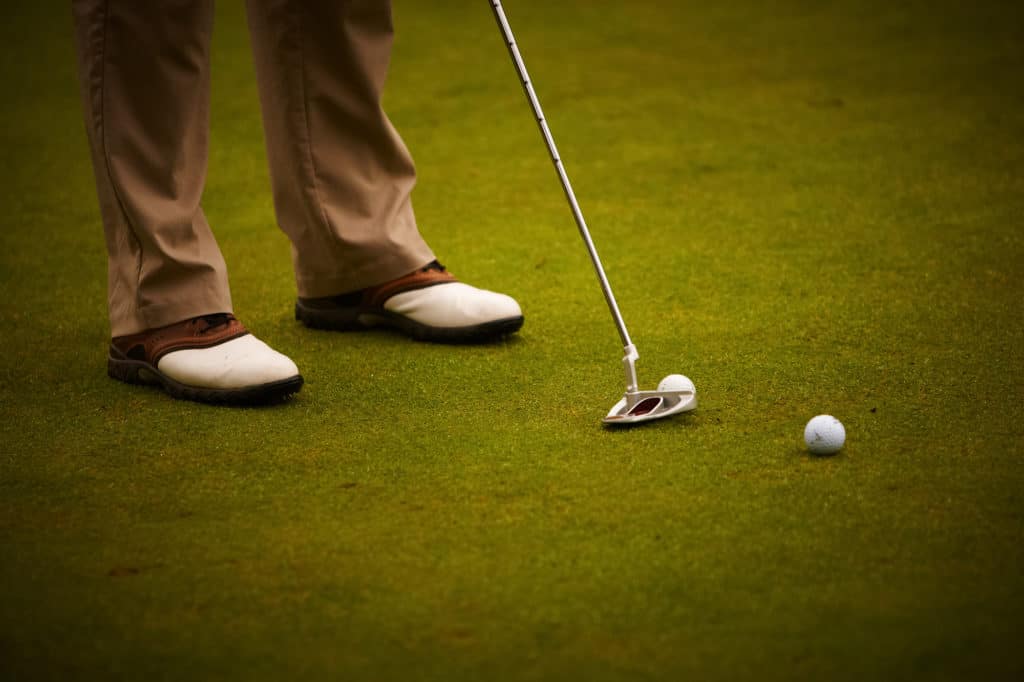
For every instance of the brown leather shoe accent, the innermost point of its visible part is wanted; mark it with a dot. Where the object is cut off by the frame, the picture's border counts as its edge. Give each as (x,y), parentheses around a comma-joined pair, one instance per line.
(199,332)
(431,275)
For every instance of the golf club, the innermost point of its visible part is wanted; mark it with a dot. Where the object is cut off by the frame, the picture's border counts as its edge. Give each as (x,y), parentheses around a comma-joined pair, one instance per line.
(672,397)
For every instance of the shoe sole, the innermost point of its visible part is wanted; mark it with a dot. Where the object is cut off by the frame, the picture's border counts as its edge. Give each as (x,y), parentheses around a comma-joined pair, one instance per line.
(352,319)
(141,373)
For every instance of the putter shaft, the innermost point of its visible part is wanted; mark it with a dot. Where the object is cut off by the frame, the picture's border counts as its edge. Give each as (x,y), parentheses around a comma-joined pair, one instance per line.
(577,213)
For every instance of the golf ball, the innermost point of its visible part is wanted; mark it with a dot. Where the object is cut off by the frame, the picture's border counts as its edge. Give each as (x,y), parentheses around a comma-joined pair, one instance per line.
(676,382)
(824,435)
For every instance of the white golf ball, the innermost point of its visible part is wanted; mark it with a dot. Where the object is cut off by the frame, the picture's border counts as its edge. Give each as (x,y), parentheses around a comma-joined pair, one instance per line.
(824,435)
(676,382)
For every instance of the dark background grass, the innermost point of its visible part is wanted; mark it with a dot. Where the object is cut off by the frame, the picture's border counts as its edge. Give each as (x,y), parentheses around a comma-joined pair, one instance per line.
(805,207)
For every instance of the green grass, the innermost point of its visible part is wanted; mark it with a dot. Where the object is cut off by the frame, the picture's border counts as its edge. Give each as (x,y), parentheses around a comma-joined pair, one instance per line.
(805,207)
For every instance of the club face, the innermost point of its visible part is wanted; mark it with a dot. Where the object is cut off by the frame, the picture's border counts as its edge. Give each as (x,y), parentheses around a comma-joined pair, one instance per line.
(644,406)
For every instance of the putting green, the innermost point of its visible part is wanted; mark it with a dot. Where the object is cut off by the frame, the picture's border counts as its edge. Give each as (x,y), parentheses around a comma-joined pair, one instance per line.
(804,207)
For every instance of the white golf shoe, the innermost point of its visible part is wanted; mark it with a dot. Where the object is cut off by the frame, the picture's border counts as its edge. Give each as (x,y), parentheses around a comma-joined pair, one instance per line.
(428,304)
(211,358)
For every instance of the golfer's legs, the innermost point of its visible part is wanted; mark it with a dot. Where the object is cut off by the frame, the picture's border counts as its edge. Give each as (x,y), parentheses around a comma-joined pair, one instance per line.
(341,174)
(144,71)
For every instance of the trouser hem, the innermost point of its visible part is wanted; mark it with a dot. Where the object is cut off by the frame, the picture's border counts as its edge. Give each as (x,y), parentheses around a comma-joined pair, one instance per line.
(366,275)
(152,316)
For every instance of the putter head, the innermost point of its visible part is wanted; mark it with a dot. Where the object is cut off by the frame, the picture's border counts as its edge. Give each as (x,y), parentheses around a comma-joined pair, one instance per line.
(675,394)
(642,406)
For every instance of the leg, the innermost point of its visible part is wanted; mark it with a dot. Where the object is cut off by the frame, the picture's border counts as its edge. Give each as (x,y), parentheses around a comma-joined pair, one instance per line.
(145,77)
(342,178)
(341,174)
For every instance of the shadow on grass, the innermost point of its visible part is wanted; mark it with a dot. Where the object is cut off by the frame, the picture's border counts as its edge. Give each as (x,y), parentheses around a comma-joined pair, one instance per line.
(390,338)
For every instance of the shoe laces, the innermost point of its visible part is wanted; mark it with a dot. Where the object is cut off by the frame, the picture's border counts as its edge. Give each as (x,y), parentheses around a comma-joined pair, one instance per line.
(213,321)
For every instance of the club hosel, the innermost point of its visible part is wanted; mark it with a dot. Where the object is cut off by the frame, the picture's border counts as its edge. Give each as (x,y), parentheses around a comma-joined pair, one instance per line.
(629,365)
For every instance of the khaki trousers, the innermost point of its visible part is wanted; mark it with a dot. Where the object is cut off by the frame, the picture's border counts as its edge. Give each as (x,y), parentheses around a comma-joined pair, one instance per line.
(341,175)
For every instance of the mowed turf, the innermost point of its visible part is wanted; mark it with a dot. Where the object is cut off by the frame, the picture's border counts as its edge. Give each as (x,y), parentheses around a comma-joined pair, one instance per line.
(804,207)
